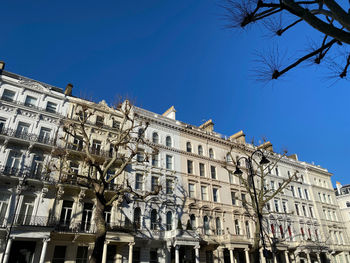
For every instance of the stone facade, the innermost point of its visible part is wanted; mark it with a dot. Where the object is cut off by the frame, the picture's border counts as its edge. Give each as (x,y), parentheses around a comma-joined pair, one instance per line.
(199,216)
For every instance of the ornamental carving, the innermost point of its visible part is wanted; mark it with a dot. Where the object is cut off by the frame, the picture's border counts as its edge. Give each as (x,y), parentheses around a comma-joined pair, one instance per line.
(33,85)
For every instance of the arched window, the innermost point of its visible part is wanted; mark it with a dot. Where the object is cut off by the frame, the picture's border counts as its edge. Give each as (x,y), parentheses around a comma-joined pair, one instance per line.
(200,150)
(206,225)
(247,229)
(348,204)
(168,141)
(193,221)
(228,158)
(137,218)
(188,147)
(218,226)
(238,232)
(155,137)
(154,223)
(211,153)
(169,221)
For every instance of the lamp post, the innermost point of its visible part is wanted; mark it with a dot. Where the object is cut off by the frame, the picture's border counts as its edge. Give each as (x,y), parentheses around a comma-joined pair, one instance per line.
(249,161)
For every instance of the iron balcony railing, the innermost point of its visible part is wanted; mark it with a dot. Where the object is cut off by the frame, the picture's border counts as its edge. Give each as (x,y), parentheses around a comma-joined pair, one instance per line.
(24,172)
(27,136)
(93,150)
(27,220)
(31,106)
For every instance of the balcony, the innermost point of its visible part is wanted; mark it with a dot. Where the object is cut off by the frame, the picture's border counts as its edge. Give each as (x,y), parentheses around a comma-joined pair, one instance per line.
(89,228)
(27,136)
(24,172)
(27,220)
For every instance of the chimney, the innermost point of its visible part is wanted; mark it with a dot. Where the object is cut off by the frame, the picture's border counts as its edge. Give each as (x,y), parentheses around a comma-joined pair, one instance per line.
(207,126)
(239,136)
(266,146)
(170,113)
(2,66)
(339,186)
(68,90)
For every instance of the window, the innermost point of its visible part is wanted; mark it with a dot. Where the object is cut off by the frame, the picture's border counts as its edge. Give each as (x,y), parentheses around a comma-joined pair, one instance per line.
(319,197)
(100,121)
(82,254)
(154,223)
(37,166)
(141,133)
(311,211)
(213,172)
(237,227)
(299,192)
(204,193)
(169,162)
(233,198)
(304,210)
(206,225)
(200,150)
(169,221)
(191,191)
(96,147)
(272,184)
(324,198)
(2,124)
(193,221)
(211,153)
(297,209)
(169,186)
(154,183)
(139,182)
(14,160)
(155,138)
(25,216)
(107,215)
(273,230)
(231,177)
(59,254)
(189,167)
(116,124)
(290,233)
(77,143)
(215,195)
(306,194)
(302,233)
(247,229)
(30,101)
(277,209)
(4,201)
(292,189)
(155,160)
(168,141)
(201,169)
(188,147)
(74,166)
(268,206)
(8,95)
(153,255)
(86,219)
(140,157)
(218,226)
(51,107)
(277,172)
(284,206)
(22,130)
(137,218)
(329,199)
(44,135)
(244,201)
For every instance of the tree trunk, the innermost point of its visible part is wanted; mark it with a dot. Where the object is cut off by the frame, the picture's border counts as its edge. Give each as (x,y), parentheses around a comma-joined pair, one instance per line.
(101,230)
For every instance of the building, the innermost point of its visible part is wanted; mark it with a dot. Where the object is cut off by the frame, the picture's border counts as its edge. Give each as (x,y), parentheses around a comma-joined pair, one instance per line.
(200,215)
(342,193)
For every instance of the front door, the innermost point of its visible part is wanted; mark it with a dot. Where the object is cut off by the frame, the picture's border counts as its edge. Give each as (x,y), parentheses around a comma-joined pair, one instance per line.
(22,252)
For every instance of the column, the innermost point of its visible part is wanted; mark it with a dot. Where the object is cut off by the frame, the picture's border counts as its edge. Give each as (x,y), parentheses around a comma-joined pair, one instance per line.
(308,257)
(287,256)
(168,254)
(177,255)
(7,251)
(43,250)
(232,256)
(131,245)
(197,253)
(247,259)
(274,258)
(297,257)
(104,253)
(220,255)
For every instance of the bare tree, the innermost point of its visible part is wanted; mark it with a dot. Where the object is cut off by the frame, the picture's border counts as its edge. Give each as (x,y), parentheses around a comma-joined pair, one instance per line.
(253,177)
(126,142)
(327,17)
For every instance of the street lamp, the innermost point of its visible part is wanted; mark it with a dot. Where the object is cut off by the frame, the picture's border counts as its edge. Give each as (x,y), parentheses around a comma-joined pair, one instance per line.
(251,174)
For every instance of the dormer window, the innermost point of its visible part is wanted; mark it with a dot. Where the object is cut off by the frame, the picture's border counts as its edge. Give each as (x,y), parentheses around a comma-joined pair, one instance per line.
(155,138)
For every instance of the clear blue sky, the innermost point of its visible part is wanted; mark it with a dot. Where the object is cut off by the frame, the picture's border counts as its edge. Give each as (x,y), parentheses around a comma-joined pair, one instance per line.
(165,53)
